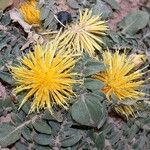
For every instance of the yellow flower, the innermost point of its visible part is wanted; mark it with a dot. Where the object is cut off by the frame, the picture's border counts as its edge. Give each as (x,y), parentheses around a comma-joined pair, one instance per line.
(46,76)
(30,12)
(121,80)
(84,35)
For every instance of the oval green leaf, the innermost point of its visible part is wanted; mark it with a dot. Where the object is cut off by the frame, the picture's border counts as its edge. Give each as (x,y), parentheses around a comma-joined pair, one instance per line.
(88,111)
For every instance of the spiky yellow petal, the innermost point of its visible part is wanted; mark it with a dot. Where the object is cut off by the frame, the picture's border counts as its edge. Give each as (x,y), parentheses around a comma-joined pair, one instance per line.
(30,12)
(84,35)
(46,76)
(121,80)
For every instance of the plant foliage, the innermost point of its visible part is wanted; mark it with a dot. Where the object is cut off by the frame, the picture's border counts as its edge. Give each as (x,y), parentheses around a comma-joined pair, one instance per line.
(89,123)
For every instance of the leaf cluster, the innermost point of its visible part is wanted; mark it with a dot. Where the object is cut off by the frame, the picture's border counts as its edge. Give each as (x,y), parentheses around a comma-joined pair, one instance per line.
(89,123)
(11,41)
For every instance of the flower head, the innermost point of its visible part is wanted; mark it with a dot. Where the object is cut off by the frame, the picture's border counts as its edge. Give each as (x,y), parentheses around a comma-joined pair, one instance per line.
(121,80)
(46,76)
(84,35)
(30,13)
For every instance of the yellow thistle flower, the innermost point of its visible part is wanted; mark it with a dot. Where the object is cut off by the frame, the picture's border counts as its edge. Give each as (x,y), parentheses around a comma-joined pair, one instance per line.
(121,80)
(30,13)
(46,76)
(84,35)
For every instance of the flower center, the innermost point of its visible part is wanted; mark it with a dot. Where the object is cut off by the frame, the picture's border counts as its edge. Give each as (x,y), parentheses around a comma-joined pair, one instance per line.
(77,28)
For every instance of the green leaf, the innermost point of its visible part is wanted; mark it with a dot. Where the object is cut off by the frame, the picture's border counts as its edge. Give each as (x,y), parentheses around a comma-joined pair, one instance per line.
(26,133)
(100,8)
(9,134)
(39,147)
(114,36)
(92,67)
(140,144)
(2,45)
(20,146)
(132,132)
(108,128)
(15,118)
(6,77)
(1,108)
(87,110)
(70,137)
(45,12)
(100,94)
(7,103)
(134,21)
(115,137)
(48,21)
(93,84)
(100,141)
(55,126)
(47,15)
(73,4)
(147,120)
(42,127)
(113,3)
(42,139)
(11,40)
(56,116)
(86,3)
